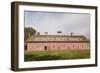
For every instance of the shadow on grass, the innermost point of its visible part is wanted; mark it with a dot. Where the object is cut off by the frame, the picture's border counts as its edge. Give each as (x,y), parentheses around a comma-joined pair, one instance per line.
(42,57)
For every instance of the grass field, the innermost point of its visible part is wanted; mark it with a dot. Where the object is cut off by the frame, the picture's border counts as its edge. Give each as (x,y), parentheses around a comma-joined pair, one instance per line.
(56,55)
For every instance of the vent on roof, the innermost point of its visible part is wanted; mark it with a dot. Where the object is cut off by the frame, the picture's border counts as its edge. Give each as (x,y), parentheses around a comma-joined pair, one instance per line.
(46,33)
(71,33)
(59,32)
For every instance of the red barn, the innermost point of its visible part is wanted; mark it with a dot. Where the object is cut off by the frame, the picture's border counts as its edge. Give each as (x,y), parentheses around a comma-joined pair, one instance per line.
(56,42)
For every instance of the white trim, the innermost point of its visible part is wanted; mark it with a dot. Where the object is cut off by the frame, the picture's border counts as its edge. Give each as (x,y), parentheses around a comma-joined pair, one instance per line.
(23,64)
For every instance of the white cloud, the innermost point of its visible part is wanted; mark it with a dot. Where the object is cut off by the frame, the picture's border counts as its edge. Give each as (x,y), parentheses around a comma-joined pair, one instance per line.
(54,21)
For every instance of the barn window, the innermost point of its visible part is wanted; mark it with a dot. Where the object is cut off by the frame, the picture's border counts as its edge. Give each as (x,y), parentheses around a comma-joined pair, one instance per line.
(53,46)
(82,46)
(68,47)
(67,38)
(39,39)
(37,46)
(73,46)
(77,47)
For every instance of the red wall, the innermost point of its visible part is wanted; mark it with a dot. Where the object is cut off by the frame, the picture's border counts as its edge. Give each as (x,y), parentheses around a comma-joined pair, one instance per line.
(56,46)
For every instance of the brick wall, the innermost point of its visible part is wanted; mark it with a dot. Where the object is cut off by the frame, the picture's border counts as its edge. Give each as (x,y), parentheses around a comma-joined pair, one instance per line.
(56,46)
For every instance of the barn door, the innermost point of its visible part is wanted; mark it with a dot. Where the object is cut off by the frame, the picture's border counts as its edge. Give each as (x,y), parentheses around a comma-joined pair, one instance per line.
(45,48)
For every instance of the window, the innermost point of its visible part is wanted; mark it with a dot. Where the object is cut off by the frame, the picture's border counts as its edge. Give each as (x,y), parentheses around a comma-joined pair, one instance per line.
(37,46)
(73,46)
(82,46)
(53,46)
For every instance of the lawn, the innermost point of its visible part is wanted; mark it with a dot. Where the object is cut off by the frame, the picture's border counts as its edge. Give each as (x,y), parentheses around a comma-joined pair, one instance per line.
(56,55)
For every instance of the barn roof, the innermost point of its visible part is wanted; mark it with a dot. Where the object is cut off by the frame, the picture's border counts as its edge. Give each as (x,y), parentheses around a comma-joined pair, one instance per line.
(57,38)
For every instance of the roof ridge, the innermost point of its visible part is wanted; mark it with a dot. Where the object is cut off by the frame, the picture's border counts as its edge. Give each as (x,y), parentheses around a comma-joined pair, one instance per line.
(82,37)
(57,35)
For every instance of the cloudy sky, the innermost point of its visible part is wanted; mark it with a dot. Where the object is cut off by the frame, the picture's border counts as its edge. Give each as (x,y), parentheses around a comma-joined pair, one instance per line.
(51,22)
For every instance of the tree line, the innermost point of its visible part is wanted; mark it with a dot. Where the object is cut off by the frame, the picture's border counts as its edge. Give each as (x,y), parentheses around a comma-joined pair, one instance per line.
(28,31)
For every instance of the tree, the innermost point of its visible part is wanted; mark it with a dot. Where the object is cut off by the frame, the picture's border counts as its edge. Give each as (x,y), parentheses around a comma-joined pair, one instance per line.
(28,31)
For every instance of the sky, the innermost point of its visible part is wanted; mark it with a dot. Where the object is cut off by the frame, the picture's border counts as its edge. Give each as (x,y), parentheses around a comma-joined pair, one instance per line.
(51,22)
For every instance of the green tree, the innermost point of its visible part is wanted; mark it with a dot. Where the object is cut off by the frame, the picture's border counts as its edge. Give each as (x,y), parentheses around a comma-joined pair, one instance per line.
(28,31)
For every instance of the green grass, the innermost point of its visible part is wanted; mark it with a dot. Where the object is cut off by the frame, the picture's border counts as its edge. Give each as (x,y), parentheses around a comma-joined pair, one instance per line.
(56,55)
